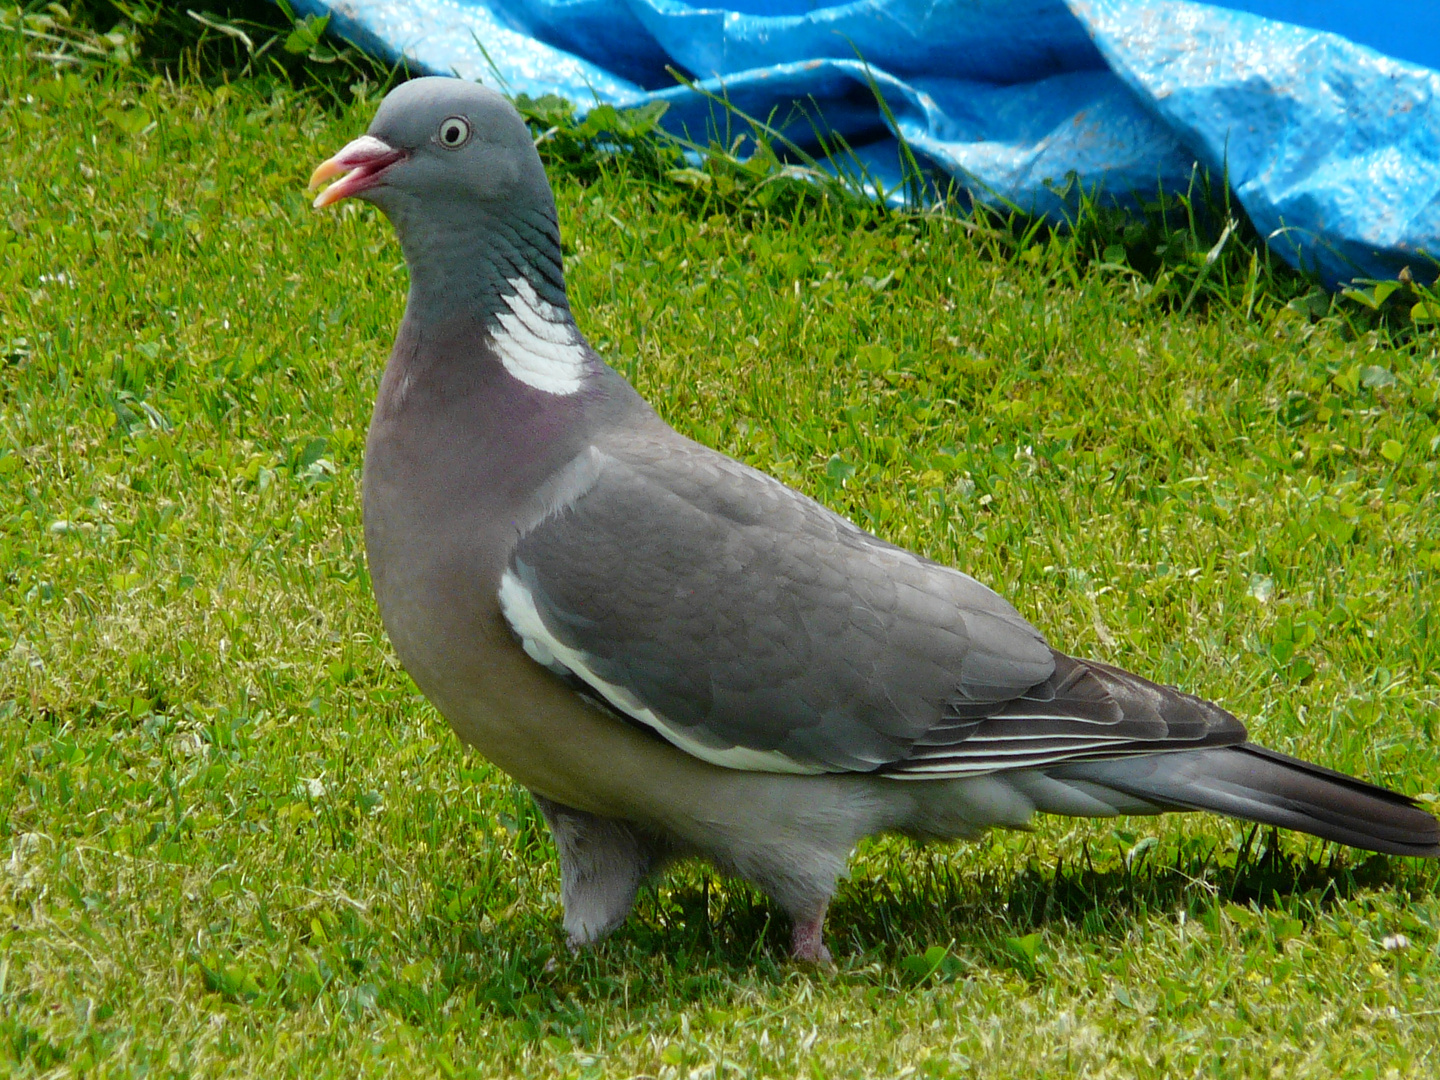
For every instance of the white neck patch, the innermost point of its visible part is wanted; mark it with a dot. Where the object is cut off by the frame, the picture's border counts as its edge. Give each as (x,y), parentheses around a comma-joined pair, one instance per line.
(537,344)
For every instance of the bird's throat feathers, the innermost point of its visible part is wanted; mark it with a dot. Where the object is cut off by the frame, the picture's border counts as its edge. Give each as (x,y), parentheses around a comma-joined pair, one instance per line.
(446,402)
(491,290)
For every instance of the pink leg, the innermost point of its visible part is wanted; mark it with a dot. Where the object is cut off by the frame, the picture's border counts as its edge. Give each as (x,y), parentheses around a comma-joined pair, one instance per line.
(807,940)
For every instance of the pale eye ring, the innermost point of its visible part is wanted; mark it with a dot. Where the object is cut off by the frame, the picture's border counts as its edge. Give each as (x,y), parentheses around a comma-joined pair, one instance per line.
(454,132)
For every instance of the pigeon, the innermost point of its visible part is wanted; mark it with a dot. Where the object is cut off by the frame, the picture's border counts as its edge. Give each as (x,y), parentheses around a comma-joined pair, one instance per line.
(678,655)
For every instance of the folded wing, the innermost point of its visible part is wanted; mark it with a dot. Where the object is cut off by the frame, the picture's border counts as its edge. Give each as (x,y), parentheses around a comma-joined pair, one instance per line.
(755,629)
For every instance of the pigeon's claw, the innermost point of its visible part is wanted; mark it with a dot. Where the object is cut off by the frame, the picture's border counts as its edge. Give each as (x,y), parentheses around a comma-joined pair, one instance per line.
(362,161)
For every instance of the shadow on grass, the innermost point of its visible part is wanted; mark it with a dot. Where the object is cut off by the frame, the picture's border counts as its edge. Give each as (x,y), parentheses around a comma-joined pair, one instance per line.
(696,937)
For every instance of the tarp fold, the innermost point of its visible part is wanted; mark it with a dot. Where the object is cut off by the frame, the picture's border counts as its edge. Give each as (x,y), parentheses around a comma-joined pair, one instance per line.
(1323,116)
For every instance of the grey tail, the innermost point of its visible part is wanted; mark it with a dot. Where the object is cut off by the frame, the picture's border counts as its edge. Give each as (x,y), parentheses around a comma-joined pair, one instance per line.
(1249,782)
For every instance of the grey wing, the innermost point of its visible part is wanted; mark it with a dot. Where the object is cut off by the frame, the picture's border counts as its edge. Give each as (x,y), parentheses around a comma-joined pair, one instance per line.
(756,629)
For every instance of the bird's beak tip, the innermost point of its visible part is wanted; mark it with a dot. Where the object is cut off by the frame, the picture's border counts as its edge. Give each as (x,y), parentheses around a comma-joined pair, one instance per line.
(324,171)
(362,162)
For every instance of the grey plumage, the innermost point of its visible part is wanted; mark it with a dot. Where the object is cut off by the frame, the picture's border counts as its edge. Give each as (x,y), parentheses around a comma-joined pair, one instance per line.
(679,655)
(602,866)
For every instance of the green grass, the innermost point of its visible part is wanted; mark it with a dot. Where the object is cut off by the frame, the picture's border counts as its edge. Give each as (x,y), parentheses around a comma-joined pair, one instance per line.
(237,842)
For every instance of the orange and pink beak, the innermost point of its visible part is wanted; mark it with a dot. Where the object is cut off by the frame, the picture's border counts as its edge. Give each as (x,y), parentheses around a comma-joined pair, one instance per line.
(362,161)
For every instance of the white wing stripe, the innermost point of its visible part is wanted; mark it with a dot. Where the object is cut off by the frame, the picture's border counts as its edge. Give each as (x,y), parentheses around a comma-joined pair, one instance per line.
(518,607)
(1069,736)
(959,753)
(929,769)
(1006,715)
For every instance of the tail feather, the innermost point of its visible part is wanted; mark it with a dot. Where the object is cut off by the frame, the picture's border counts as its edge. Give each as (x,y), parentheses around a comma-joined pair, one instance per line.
(1249,782)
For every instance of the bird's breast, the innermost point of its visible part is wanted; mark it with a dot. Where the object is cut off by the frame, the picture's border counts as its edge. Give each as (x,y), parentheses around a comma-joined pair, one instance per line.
(445,490)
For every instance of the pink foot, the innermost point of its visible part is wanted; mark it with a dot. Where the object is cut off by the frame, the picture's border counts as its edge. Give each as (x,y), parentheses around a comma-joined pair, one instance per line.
(807,941)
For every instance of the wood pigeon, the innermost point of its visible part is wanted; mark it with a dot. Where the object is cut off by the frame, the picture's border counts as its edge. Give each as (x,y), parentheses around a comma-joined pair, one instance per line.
(680,656)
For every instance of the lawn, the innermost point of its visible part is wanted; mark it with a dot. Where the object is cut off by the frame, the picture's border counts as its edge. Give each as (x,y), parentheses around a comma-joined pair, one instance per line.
(236,841)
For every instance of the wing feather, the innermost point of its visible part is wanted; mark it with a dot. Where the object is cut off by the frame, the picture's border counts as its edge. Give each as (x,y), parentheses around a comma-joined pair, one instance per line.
(756,629)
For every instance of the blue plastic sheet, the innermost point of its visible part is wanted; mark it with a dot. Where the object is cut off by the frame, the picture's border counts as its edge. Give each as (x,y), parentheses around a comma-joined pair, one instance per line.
(1323,115)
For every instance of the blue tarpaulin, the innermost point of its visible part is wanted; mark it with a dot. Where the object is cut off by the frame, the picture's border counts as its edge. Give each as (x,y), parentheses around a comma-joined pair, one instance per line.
(1322,115)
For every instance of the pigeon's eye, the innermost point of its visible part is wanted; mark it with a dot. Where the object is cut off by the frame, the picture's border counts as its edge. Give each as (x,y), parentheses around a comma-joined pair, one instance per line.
(454,132)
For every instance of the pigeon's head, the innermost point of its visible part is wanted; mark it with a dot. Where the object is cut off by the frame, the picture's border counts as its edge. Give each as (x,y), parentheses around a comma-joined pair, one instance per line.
(439,150)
